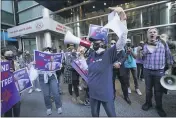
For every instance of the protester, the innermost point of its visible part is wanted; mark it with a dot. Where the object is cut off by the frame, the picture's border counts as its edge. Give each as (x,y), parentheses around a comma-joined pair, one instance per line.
(83,84)
(49,84)
(7,55)
(156,56)
(74,77)
(139,63)
(120,71)
(130,65)
(100,73)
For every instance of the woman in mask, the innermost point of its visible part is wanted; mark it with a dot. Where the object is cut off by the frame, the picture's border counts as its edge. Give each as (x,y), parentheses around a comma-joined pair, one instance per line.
(7,55)
(49,85)
(100,65)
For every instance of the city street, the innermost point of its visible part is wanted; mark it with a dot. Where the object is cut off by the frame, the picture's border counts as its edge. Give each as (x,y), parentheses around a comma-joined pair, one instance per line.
(33,105)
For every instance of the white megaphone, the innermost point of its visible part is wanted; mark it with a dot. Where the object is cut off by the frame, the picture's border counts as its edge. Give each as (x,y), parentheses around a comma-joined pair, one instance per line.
(71,39)
(168,82)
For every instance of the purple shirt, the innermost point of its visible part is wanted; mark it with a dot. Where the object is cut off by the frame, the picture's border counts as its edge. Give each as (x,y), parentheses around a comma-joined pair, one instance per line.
(157,59)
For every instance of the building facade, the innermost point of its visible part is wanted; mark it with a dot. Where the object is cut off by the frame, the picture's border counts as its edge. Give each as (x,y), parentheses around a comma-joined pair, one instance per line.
(141,15)
(8,20)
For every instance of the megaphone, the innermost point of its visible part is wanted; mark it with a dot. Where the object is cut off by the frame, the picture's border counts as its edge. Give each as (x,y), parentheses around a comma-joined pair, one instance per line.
(168,82)
(71,39)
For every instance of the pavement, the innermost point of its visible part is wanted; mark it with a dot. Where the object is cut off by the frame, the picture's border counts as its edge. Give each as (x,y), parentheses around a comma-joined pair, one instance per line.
(32,105)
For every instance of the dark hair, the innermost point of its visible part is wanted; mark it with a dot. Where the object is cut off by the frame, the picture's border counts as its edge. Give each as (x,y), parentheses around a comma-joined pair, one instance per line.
(3,50)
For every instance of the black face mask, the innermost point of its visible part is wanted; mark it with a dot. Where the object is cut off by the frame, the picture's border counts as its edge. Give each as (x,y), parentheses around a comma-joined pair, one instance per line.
(96,46)
(9,57)
(128,44)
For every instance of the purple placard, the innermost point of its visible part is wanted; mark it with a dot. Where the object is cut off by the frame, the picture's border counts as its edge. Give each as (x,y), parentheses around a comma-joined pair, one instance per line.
(23,81)
(48,62)
(9,93)
(96,32)
(78,66)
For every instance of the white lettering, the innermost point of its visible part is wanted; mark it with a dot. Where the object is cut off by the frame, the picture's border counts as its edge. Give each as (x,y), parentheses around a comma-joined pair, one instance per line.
(42,55)
(6,82)
(5,67)
(16,75)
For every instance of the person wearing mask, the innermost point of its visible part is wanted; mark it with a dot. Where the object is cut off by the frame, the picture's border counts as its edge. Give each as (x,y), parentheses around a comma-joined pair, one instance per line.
(100,72)
(130,65)
(119,71)
(7,55)
(156,56)
(139,63)
(49,85)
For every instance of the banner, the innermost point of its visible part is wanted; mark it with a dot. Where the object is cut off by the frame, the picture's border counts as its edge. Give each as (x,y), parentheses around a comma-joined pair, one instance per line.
(22,80)
(9,93)
(81,67)
(96,32)
(48,62)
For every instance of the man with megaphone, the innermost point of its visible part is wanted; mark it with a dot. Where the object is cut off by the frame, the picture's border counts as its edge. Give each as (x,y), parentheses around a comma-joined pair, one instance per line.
(100,72)
(100,63)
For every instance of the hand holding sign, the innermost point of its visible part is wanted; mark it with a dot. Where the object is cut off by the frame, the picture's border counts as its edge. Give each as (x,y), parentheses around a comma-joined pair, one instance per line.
(9,94)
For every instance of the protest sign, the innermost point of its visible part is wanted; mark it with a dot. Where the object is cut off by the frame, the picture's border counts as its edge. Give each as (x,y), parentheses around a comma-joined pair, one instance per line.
(81,67)
(22,80)
(9,93)
(96,32)
(47,62)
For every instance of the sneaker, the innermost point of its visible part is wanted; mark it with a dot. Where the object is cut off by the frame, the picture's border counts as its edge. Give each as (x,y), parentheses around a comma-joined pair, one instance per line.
(73,99)
(129,90)
(138,92)
(59,110)
(30,91)
(142,80)
(86,103)
(80,88)
(48,112)
(38,90)
(79,100)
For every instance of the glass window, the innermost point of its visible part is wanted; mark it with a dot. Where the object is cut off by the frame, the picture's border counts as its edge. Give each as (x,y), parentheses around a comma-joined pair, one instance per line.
(7,6)
(30,14)
(25,4)
(7,17)
(133,19)
(30,45)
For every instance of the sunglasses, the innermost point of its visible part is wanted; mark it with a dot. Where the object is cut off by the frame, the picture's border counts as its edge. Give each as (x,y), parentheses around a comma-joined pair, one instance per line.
(113,43)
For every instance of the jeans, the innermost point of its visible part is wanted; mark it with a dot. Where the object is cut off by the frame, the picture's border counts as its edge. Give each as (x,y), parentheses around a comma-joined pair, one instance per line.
(140,71)
(14,111)
(75,84)
(108,106)
(134,74)
(152,79)
(48,88)
(123,81)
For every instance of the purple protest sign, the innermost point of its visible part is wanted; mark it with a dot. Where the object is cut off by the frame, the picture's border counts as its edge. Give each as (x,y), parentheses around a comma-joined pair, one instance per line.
(23,81)
(81,67)
(48,62)
(96,32)
(9,93)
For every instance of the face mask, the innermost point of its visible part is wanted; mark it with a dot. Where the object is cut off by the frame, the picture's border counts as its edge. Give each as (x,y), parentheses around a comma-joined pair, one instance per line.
(47,52)
(100,50)
(96,46)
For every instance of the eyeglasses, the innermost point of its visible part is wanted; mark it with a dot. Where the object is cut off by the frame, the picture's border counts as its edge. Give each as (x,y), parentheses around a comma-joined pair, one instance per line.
(113,43)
